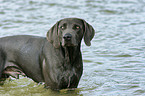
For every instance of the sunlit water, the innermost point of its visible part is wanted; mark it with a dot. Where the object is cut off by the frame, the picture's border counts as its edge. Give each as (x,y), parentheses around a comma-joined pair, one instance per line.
(115,63)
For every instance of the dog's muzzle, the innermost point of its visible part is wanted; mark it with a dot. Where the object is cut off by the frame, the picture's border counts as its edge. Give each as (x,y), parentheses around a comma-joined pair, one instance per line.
(67,37)
(68,40)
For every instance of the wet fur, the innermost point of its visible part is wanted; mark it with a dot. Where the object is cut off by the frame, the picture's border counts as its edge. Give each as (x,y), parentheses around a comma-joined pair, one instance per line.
(45,59)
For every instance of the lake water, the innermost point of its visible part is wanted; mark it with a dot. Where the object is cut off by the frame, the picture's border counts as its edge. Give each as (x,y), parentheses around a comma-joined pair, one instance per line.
(115,63)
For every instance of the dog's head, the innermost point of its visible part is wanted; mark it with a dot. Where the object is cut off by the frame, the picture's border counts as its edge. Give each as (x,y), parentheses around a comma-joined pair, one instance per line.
(69,32)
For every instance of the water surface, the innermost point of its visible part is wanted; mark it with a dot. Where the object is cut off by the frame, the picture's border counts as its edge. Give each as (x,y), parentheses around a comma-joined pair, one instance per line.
(115,63)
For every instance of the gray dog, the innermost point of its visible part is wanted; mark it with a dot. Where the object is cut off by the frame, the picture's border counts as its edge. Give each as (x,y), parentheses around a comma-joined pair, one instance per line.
(55,60)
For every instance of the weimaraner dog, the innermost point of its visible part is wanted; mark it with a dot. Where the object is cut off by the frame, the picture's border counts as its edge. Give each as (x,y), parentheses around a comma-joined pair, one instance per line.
(55,59)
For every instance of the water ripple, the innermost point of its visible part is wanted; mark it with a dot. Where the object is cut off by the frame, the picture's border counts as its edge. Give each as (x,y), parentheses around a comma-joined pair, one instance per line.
(113,65)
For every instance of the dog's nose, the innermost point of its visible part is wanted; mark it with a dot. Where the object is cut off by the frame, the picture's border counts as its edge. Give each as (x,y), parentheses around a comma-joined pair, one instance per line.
(67,36)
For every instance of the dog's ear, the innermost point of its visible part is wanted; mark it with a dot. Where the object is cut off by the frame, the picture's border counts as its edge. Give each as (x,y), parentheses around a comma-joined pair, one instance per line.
(89,33)
(53,37)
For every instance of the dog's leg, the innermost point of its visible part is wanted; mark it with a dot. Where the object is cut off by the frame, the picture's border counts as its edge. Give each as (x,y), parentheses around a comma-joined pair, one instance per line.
(13,71)
(2,62)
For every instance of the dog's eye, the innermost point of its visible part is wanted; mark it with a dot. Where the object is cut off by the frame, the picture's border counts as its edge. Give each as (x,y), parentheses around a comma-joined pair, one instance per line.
(62,27)
(76,27)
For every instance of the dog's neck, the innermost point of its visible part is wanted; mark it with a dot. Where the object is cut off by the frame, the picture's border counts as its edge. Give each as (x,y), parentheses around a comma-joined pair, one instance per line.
(70,54)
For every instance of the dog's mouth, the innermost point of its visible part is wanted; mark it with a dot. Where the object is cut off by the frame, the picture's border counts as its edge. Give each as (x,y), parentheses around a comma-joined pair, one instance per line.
(68,44)
(68,40)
